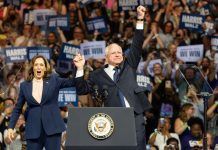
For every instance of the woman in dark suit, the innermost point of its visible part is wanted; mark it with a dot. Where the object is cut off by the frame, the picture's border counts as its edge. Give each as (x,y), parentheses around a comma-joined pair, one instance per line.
(43,121)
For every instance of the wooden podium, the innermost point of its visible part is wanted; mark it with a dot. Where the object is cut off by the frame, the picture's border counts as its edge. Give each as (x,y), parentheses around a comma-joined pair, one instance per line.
(80,137)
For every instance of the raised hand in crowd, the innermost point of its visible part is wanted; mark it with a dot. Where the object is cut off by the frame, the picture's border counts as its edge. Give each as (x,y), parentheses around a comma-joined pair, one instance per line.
(79,61)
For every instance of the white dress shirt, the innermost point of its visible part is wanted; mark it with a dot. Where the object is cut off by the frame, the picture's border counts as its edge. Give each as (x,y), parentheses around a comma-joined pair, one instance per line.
(110,72)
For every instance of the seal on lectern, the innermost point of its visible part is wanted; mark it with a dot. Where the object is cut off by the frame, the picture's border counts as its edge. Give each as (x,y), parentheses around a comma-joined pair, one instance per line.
(100,126)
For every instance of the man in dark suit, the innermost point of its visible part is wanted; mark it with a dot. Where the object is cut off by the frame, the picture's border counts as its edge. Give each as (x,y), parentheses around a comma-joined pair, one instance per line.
(44,124)
(119,76)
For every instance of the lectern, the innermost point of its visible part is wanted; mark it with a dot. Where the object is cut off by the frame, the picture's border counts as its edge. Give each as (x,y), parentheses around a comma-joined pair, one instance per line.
(101,128)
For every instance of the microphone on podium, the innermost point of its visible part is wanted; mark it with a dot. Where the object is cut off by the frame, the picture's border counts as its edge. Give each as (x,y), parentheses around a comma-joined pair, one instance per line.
(104,92)
(95,93)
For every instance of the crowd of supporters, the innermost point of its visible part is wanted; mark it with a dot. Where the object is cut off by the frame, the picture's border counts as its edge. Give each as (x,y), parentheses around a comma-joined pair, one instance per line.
(177,114)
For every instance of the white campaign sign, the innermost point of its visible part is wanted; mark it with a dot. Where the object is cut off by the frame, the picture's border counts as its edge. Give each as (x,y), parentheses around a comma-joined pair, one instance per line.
(151,64)
(191,53)
(94,49)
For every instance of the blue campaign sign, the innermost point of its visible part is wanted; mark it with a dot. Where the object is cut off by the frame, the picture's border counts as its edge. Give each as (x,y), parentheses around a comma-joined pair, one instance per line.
(15,3)
(128,5)
(83,3)
(64,67)
(63,22)
(59,21)
(44,51)
(52,23)
(96,24)
(67,96)
(15,54)
(192,22)
(124,5)
(68,51)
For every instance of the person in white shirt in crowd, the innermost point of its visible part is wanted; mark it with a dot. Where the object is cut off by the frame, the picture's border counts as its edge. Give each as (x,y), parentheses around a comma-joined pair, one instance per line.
(162,133)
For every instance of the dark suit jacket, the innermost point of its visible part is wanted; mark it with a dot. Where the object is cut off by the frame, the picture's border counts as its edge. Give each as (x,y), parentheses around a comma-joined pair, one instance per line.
(127,84)
(44,115)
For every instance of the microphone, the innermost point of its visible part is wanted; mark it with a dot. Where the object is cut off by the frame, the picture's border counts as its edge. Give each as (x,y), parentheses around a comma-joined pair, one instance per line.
(104,92)
(95,93)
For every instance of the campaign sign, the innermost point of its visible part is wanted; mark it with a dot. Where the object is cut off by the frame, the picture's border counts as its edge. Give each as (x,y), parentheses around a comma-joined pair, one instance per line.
(127,5)
(166,110)
(192,53)
(44,51)
(41,16)
(124,5)
(67,96)
(214,43)
(140,68)
(15,3)
(144,81)
(68,51)
(59,21)
(210,28)
(151,64)
(192,22)
(63,22)
(94,49)
(15,54)
(28,16)
(205,10)
(145,2)
(64,67)
(52,23)
(96,24)
(83,3)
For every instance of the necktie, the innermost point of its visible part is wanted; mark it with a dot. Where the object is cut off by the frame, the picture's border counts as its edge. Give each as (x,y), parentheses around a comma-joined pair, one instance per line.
(116,73)
(116,77)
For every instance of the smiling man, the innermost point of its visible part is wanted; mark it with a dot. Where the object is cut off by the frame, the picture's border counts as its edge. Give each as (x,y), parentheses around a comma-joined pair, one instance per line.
(119,76)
